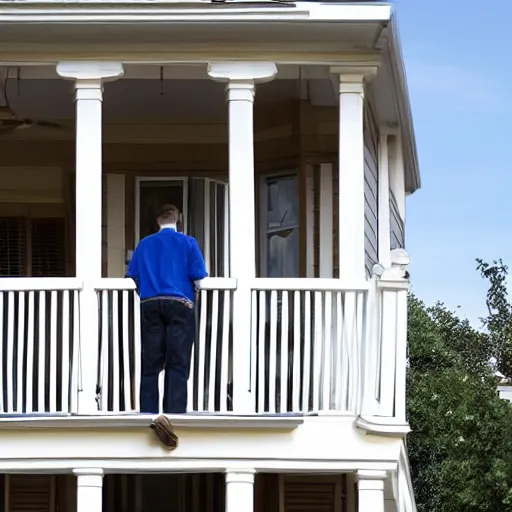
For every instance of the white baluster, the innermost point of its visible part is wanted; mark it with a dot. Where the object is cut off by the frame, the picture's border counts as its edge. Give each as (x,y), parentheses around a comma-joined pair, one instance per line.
(284,352)
(225,351)
(272,371)
(65,371)
(21,350)
(53,351)
(296,353)
(213,351)
(126,354)
(30,351)
(10,351)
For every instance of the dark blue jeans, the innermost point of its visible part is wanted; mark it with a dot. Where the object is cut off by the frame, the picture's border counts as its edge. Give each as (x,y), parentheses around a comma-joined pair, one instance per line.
(167,338)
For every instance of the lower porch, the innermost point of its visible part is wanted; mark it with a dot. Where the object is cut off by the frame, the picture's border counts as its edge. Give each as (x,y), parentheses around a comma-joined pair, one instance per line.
(242,491)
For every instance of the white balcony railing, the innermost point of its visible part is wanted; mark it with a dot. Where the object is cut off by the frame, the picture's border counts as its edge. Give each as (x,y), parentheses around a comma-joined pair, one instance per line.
(316,345)
(120,347)
(306,342)
(39,346)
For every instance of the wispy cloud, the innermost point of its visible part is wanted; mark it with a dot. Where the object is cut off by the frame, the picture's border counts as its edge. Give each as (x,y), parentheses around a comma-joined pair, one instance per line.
(466,87)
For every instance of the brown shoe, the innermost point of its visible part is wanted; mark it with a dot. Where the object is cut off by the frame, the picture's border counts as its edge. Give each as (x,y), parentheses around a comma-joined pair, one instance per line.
(163,429)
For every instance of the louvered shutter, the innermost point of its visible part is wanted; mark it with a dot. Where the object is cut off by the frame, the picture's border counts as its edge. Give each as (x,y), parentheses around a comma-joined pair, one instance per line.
(48,249)
(311,496)
(30,493)
(13,246)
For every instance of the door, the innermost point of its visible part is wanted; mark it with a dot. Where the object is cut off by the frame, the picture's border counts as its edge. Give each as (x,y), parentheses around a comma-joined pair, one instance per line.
(151,195)
(203,204)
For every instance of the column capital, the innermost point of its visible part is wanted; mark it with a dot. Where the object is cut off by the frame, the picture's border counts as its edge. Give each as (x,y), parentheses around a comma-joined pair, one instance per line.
(242,476)
(89,477)
(90,71)
(242,72)
(88,472)
(371,480)
(352,76)
(89,77)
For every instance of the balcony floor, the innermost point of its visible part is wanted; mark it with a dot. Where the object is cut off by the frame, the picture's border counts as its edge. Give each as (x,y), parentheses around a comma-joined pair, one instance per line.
(136,421)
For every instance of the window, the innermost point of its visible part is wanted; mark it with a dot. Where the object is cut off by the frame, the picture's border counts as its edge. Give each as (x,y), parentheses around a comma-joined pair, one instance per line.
(279,227)
(32,247)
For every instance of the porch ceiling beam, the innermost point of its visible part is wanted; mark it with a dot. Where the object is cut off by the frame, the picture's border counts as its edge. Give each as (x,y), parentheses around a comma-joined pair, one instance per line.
(152,71)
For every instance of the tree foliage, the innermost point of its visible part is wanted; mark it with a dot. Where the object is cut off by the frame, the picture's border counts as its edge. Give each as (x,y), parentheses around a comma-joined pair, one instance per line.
(461,442)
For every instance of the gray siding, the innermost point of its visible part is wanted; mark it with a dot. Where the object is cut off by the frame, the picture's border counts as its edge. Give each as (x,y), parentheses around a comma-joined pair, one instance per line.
(397,230)
(371,187)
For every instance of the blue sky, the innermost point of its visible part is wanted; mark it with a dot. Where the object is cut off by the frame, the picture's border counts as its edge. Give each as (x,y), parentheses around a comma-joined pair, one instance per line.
(459,73)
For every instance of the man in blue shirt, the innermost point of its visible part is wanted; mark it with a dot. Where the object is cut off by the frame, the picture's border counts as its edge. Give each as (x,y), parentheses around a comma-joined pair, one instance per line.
(166,267)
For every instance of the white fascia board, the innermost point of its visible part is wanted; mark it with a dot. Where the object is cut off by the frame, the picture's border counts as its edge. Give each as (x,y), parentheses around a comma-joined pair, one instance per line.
(38,11)
(348,12)
(412,168)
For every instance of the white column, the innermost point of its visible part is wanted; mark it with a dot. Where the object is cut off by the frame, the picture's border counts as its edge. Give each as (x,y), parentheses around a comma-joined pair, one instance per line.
(239,490)
(89,495)
(241,79)
(351,170)
(384,216)
(370,485)
(89,78)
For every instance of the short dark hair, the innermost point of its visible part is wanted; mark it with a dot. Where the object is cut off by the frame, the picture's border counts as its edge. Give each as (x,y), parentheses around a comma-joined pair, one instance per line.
(167,214)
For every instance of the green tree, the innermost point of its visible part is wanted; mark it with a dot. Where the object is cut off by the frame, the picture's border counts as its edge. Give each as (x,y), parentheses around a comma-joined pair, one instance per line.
(461,442)
(498,323)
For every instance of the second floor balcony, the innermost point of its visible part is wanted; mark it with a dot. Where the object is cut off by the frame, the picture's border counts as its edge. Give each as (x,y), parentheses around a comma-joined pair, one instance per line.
(311,346)
(298,207)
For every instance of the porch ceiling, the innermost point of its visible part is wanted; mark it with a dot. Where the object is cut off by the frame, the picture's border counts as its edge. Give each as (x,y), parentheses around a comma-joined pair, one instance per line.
(137,100)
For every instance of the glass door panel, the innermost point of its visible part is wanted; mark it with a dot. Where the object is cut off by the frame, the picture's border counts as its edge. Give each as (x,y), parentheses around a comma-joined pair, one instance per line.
(152,195)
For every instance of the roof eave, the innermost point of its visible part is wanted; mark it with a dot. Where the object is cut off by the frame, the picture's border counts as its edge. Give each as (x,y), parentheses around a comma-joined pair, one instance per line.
(411,163)
(96,11)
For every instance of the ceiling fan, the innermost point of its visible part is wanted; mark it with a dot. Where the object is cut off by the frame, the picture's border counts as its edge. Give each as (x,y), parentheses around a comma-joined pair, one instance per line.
(10,121)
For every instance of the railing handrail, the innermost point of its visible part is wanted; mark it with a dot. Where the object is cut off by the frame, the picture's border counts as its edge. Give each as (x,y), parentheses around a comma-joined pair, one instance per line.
(122,283)
(307,284)
(34,284)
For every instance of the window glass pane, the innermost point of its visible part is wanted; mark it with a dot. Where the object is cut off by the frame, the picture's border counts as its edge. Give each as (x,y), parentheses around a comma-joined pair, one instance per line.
(282,227)
(283,251)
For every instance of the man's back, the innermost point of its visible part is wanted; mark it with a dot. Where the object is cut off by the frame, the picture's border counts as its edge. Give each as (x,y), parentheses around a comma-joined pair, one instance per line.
(166,264)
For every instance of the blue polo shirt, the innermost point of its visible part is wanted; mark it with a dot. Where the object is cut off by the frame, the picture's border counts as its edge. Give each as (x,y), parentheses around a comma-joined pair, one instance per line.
(166,264)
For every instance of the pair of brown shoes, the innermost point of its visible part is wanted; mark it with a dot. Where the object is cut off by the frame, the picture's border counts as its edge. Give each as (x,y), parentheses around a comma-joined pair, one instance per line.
(163,429)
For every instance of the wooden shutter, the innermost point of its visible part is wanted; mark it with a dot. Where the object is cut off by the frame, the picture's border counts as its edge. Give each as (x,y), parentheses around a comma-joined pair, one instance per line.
(13,246)
(30,493)
(32,247)
(47,247)
(312,494)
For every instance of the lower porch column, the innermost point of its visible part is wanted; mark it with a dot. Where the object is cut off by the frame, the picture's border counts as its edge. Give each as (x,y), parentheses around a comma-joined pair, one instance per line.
(241,79)
(89,495)
(370,485)
(89,78)
(351,170)
(239,490)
